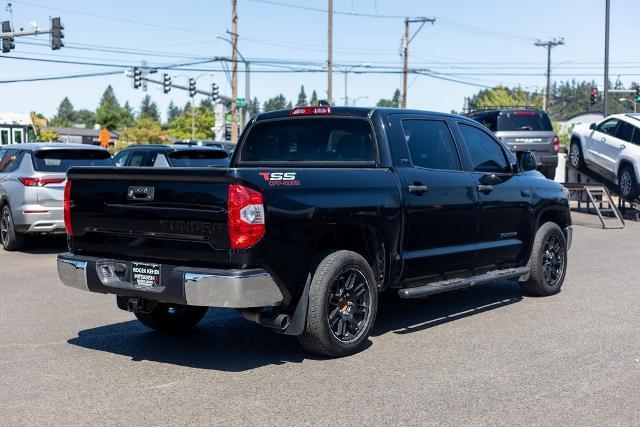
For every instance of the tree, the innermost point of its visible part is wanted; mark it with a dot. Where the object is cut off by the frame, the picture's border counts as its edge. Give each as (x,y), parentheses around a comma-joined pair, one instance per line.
(180,127)
(172,112)
(394,102)
(65,115)
(148,109)
(48,134)
(146,131)
(206,103)
(314,98)
(289,105)
(109,113)
(128,120)
(302,98)
(254,107)
(501,96)
(278,102)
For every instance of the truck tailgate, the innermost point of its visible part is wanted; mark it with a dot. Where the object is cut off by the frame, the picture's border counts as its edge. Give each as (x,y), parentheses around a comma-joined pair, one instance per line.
(177,214)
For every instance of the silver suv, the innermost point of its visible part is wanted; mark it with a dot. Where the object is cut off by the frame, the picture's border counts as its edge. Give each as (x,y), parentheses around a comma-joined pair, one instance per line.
(524,129)
(32,180)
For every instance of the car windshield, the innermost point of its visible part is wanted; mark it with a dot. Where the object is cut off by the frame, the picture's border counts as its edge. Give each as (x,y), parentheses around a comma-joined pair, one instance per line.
(308,140)
(525,120)
(61,160)
(198,158)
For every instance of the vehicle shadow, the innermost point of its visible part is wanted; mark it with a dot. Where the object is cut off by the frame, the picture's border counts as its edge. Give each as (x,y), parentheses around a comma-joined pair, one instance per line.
(45,245)
(225,341)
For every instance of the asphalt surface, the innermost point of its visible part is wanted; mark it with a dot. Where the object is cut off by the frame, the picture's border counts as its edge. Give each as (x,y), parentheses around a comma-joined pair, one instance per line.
(487,355)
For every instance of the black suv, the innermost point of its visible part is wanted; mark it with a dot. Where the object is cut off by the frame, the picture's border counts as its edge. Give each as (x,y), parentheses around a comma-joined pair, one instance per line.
(524,129)
(171,156)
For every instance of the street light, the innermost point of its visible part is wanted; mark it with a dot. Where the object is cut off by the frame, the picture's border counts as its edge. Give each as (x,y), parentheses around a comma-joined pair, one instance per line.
(247,79)
(346,70)
(193,106)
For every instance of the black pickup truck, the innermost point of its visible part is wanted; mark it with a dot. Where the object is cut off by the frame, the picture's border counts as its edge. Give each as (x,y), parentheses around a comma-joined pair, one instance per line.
(321,209)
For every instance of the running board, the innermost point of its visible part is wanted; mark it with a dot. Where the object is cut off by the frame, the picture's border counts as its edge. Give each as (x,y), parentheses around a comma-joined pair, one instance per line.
(453,284)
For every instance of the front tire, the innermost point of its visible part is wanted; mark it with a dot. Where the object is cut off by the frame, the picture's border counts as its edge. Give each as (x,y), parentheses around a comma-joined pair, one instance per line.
(172,317)
(576,159)
(548,261)
(11,240)
(628,184)
(343,302)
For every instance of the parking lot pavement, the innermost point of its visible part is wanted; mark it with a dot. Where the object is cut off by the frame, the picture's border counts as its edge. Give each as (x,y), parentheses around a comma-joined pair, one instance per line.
(487,355)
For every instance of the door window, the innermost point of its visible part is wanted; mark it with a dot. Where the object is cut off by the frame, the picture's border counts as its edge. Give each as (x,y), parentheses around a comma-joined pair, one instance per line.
(486,154)
(625,131)
(136,158)
(636,136)
(120,159)
(431,144)
(608,127)
(10,161)
(4,136)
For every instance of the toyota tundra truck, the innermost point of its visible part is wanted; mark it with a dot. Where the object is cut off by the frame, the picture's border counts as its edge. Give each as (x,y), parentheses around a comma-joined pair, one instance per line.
(320,210)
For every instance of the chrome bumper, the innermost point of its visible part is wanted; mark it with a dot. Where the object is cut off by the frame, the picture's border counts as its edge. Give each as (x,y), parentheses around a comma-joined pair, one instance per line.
(568,232)
(201,287)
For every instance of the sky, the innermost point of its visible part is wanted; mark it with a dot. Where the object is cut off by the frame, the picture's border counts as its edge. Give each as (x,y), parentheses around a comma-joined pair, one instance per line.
(476,43)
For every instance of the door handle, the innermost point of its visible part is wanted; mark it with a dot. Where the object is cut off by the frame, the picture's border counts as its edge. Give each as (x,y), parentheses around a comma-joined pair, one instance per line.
(622,146)
(485,189)
(603,140)
(418,189)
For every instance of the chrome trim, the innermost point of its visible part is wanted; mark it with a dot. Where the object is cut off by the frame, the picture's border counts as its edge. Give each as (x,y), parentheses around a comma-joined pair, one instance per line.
(568,232)
(72,273)
(237,289)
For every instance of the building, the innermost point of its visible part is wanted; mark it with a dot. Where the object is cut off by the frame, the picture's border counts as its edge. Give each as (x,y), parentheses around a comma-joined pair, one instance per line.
(16,128)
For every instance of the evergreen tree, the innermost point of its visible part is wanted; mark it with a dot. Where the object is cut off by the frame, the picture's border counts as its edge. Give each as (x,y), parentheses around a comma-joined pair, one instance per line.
(276,103)
(109,113)
(180,126)
(128,119)
(302,98)
(394,102)
(289,105)
(149,109)
(172,112)
(254,107)
(85,117)
(65,115)
(314,98)
(206,103)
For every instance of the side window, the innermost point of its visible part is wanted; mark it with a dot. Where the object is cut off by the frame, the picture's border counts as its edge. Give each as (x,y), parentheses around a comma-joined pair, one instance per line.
(608,127)
(10,161)
(486,154)
(431,144)
(136,158)
(121,158)
(625,131)
(636,136)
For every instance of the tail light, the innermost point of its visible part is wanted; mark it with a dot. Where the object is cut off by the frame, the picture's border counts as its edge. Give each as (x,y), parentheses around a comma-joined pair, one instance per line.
(246,217)
(67,208)
(556,144)
(40,182)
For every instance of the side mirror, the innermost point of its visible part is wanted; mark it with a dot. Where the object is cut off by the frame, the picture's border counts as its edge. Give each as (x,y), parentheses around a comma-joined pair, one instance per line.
(592,126)
(527,161)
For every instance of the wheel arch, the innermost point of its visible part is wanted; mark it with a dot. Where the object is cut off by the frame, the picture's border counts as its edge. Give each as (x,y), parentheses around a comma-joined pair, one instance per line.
(625,161)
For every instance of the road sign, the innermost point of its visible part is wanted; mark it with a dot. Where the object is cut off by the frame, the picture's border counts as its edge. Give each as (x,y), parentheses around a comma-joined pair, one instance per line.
(241,102)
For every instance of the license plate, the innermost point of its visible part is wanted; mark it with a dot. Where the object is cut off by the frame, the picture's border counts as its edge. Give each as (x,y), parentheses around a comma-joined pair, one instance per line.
(145,274)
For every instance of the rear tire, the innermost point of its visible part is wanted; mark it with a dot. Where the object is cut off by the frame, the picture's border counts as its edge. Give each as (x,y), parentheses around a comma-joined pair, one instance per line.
(172,317)
(548,261)
(628,184)
(343,302)
(11,240)
(576,159)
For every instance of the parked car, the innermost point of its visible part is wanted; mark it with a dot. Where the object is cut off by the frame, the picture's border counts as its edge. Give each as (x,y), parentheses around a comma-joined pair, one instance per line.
(321,209)
(610,148)
(32,180)
(524,129)
(171,156)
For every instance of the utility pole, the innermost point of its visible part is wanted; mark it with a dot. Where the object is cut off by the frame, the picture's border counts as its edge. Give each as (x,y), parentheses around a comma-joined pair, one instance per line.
(330,54)
(234,71)
(549,44)
(405,51)
(605,97)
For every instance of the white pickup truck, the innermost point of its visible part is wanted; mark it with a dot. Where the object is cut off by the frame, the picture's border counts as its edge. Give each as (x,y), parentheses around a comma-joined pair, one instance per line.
(610,148)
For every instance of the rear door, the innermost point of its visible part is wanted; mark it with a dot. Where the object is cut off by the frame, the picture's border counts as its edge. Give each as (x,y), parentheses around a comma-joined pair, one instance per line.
(441,202)
(598,148)
(504,222)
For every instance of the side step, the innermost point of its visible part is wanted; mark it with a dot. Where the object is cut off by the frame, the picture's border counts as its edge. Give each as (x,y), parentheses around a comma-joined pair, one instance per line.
(452,284)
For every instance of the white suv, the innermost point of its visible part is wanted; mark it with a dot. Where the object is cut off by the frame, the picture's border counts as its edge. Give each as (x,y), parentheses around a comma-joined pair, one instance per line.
(610,148)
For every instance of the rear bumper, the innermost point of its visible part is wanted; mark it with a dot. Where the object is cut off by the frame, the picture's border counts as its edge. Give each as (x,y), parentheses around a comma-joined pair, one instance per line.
(39,219)
(179,285)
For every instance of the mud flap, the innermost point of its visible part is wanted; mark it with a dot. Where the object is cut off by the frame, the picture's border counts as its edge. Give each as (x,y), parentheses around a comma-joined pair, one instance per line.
(299,318)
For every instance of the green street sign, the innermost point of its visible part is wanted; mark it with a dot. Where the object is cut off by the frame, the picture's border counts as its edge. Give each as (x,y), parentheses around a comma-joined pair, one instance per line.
(241,102)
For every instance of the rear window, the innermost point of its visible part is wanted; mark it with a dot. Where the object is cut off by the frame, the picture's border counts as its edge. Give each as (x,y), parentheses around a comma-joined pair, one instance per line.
(308,140)
(525,120)
(197,158)
(62,160)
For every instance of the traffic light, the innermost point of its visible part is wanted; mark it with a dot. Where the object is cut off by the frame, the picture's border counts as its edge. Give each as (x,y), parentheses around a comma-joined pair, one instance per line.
(137,77)
(7,42)
(227,131)
(166,83)
(637,93)
(594,95)
(192,87)
(56,34)
(214,92)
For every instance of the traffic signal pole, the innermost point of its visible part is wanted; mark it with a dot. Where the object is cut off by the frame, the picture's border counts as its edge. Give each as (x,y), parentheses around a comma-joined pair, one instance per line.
(605,97)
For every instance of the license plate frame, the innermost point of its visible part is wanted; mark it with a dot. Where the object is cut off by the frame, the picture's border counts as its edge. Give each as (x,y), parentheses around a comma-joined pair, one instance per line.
(146,274)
